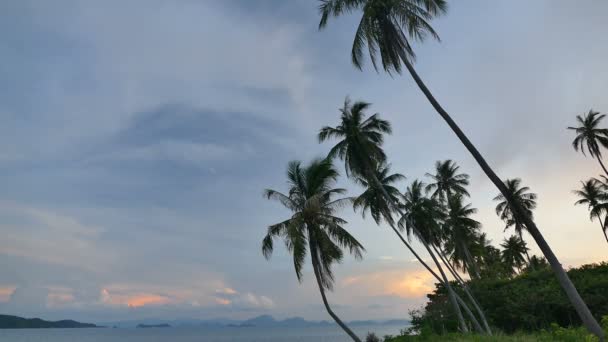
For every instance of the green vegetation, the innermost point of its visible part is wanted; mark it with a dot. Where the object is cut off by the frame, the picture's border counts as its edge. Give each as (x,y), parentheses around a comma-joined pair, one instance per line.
(530,302)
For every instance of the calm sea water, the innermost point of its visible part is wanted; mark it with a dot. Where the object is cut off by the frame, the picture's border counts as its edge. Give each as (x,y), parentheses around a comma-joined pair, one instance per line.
(178,334)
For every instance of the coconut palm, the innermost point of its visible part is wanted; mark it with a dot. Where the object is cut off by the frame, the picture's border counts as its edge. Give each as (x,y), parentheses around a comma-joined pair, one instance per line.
(447,181)
(589,136)
(592,195)
(421,217)
(361,139)
(373,199)
(360,147)
(505,210)
(386,29)
(313,226)
(460,233)
(513,253)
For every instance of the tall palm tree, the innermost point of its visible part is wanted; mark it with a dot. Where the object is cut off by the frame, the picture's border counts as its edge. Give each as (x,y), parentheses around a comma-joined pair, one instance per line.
(360,147)
(513,253)
(505,209)
(386,28)
(447,181)
(421,218)
(460,233)
(590,136)
(374,200)
(595,199)
(313,226)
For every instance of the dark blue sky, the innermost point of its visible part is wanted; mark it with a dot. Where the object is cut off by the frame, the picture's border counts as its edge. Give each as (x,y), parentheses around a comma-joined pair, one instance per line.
(136,139)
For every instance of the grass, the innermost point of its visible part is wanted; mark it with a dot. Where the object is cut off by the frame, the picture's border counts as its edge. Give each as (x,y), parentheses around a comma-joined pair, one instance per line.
(556,333)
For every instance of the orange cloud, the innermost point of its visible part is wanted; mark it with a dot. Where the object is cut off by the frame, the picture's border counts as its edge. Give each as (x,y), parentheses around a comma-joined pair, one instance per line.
(222,301)
(412,284)
(146,299)
(6,292)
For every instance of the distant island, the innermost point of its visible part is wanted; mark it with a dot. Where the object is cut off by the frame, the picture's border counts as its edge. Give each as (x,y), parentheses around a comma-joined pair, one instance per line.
(162,325)
(15,322)
(263,321)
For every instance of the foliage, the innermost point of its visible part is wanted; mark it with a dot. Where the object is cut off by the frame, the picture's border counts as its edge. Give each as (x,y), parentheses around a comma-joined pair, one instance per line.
(371,337)
(531,301)
(313,226)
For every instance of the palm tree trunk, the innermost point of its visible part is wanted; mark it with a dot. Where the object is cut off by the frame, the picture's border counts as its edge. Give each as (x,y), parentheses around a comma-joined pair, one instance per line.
(451,293)
(521,237)
(465,307)
(471,298)
(562,277)
(603,228)
(471,262)
(602,164)
(315,267)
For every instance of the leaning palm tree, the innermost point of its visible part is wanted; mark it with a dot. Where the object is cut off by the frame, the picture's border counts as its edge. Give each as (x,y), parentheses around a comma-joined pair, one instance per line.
(590,136)
(595,199)
(505,209)
(313,226)
(373,199)
(513,253)
(360,147)
(387,28)
(460,233)
(447,181)
(421,218)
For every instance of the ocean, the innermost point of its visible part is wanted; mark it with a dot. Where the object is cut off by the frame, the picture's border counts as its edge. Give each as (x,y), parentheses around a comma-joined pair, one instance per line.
(192,334)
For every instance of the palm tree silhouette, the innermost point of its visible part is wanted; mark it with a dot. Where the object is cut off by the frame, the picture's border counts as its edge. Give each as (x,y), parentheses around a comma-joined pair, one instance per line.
(514,250)
(460,233)
(595,199)
(360,147)
(447,180)
(313,226)
(590,136)
(386,29)
(421,218)
(374,200)
(505,210)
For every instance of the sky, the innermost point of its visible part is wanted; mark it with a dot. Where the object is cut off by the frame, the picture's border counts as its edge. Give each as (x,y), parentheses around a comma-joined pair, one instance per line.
(137,137)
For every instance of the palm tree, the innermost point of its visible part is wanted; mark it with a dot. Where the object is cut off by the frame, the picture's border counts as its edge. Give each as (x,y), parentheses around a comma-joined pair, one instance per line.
(313,226)
(421,218)
(514,250)
(386,29)
(447,180)
(592,195)
(373,199)
(360,147)
(361,139)
(590,136)
(460,233)
(505,210)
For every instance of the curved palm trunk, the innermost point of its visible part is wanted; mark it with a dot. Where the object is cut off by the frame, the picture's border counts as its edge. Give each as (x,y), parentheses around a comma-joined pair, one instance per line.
(451,293)
(428,268)
(471,298)
(315,265)
(602,164)
(579,305)
(466,291)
